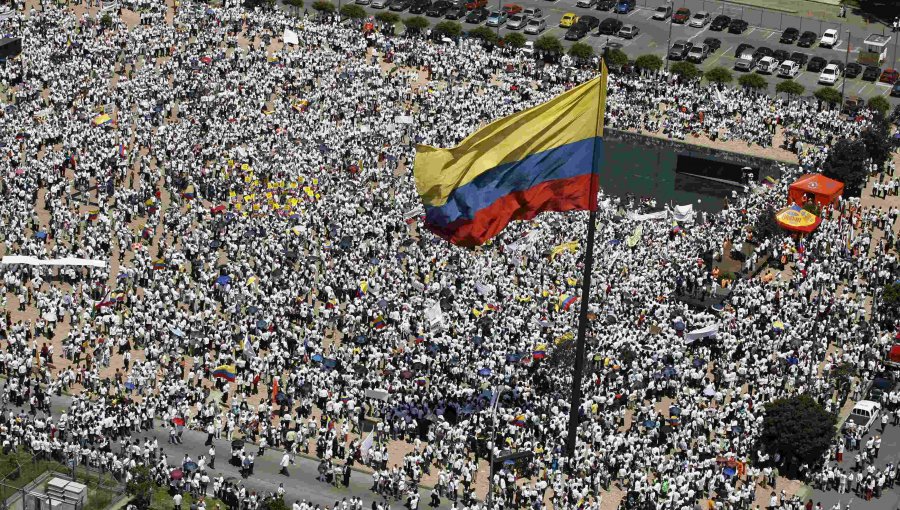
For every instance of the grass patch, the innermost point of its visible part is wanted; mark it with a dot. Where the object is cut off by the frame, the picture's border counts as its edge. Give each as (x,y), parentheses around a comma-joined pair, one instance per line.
(163,501)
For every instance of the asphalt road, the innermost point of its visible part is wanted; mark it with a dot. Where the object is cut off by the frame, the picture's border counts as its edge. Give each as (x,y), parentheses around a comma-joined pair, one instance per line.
(764,30)
(300,485)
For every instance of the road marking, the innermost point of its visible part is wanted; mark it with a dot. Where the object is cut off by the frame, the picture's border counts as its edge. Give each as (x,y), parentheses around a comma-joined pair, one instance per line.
(750,32)
(632,13)
(838,45)
(691,38)
(728,51)
(768,36)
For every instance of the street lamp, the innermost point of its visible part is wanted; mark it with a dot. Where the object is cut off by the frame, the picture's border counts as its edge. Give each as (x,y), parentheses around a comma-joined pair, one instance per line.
(669,40)
(846,59)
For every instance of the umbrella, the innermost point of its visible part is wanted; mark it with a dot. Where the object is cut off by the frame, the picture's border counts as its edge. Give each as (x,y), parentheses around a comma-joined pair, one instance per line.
(329,362)
(41,235)
(729,471)
(224,279)
(214,244)
(484,372)
(406,374)
(709,391)
(176,474)
(317,358)
(281,397)
(190,467)
(509,462)
(513,357)
(261,324)
(678,325)
(796,219)
(177,332)
(360,340)
(698,362)
(650,424)
(252,309)
(477,340)
(674,411)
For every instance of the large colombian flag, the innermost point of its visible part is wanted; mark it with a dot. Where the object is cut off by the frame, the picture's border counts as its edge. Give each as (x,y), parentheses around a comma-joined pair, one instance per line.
(546,158)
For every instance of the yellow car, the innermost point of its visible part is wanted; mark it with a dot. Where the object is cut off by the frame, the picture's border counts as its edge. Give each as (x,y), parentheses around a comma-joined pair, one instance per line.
(568,20)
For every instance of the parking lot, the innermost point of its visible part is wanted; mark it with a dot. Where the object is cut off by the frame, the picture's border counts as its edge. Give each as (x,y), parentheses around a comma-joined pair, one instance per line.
(764,29)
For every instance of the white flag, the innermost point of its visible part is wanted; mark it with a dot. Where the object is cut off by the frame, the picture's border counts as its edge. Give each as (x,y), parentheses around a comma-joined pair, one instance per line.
(367,445)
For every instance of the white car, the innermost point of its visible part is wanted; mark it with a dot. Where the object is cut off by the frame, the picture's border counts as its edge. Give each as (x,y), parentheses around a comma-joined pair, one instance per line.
(830,74)
(535,26)
(380,4)
(766,65)
(863,415)
(788,69)
(829,38)
(700,20)
(586,3)
(516,21)
(528,49)
(533,12)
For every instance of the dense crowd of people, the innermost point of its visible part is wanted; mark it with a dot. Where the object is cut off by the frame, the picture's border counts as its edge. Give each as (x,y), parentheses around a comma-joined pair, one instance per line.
(256,209)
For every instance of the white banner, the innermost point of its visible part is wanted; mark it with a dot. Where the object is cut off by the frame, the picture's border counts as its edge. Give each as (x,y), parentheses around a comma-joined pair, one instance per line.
(403,119)
(367,445)
(659,215)
(290,37)
(65,261)
(697,334)
(434,315)
(684,213)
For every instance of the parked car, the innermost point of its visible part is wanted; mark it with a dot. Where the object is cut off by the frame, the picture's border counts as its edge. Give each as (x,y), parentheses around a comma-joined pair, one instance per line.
(853,70)
(362,2)
(439,9)
(517,21)
(511,9)
(700,19)
(610,26)
(816,64)
(742,48)
(720,23)
(807,39)
(895,90)
(829,75)
(681,16)
(737,26)
(380,4)
(763,51)
(767,65)
(882,382)
(568,19)
(419,6)
(577,31)
(713,44)
(478,15)
(586,3)
(781,55)
(871,73)
(536,26)
(533,12)
(788,69)
(625,6)
(789,36)
(456,12)
(629,31)
(889,76)
(400,5)
(839,63)
(662,12)
(863,415)
(606,5)
(800,58)
(679,50)
(496,19)
(698,53)
(476,4)
(747,61)
(829,38)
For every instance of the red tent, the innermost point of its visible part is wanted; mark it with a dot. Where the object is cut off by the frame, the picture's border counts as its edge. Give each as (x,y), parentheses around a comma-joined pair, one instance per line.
(815,187)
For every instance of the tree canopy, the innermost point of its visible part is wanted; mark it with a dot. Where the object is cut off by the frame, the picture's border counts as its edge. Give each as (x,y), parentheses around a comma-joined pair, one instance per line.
(847,163)
(514,40)
(648,63)
(790,87)
(548,44)
(581,50)
(353,11)
(449,29)
(798,429)
(388,17)
(416,24)
(323,6)
(879,104)
(753,81)
(718,75)
(615,58)
(828,95)
(686,70)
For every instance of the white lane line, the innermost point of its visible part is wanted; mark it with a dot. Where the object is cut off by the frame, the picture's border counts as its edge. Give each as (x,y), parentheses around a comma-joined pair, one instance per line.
(770,35)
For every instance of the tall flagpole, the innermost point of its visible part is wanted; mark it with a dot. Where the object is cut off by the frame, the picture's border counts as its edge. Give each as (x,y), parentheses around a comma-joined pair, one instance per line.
(575,403)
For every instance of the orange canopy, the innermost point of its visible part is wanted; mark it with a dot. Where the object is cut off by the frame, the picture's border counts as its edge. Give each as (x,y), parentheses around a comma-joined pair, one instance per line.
(816,186)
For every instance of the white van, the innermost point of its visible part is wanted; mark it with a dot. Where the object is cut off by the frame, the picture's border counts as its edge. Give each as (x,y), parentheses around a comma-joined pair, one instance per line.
(864,414)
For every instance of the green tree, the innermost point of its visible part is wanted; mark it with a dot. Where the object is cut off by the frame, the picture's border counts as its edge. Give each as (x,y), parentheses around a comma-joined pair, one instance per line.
(877,139)
(106,20)
(615,58)
(141,487)
(353,11)
(890,302)
(648,63)
(846,163)
(323,6)
(581,51)
(295,5)
(766,227)
(879,104)
(485,34)
(387,17)
(514,40)
(449,29)
(828,95)
(415,24)
(790,87)
(799,429)
(686,70)
(275,504)
(753,81)
(718,75)
(548,44)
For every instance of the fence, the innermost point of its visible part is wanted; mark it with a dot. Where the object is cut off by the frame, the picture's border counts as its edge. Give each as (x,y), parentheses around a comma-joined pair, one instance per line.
(23,476)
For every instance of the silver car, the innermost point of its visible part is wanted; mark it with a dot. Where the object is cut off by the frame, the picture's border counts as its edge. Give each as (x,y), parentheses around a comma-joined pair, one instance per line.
(629,32)
(380,4)
(517,21)
(535,26)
